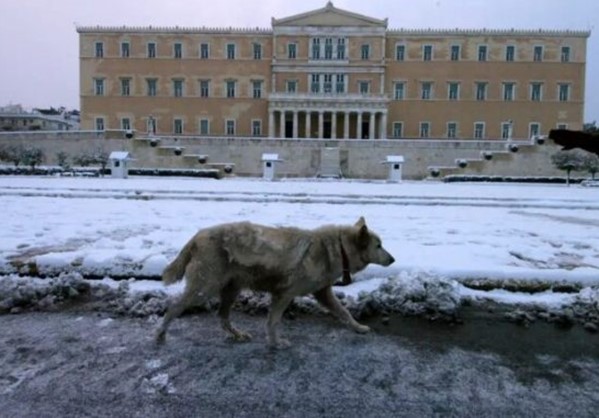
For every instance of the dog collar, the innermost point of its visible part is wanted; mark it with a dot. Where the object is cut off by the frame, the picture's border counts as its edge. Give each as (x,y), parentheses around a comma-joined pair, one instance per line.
(344,265)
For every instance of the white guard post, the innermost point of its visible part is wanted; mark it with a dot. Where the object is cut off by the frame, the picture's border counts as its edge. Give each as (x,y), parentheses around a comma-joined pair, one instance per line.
(394,162)
(119,164)
(269,162)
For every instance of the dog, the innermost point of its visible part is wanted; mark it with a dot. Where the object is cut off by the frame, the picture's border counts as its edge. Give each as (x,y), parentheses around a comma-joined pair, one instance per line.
(283,261)
(575,139)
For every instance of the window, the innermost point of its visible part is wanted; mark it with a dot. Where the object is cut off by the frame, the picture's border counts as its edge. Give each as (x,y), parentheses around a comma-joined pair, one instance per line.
(425,128)
(452,129)
(178,126)
(510,53)
(178,88)
(178,50)
(479,130)
(397,129)
(125,86)
(99,86)
(328,48)
(508,91)
(565,55)
(99,124)
(204,51)
(125,49)
(506,130)
(400,52)
(292,51)
(151,125)
(204,88)
(256,89)
(230,127)
(99,50)
(563,92)
(315,48)
(426,90)
(151,86)
(256,127)
(340,85)
(341,48)
(453,91)
(328,83)
(481,91)
(365,52)
(427,52)
(204,127)
(315,83)
(364,87)
(538,53)
(151,50)
(536,90)
(230,88)
(399,91)
(482,52)
(125,124)
(562,126)
(291,86)
(230,51)
(534,129)
(257,51)
(455,52)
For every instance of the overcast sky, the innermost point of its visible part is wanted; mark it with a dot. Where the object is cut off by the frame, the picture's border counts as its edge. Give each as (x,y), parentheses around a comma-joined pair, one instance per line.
(39,44)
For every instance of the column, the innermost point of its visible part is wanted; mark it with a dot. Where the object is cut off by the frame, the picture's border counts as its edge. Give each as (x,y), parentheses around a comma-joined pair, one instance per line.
(334,125)
(295,123)
(371,125)
(320,124)
(282,124)
(308,124)
(359,127)
(383,126)
(271,123)
(346,126)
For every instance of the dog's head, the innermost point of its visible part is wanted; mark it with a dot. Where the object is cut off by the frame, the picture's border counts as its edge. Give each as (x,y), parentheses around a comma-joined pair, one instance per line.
(370,246)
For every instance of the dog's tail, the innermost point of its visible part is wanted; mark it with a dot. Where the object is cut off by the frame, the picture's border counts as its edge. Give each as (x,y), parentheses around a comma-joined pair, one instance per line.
(176,269)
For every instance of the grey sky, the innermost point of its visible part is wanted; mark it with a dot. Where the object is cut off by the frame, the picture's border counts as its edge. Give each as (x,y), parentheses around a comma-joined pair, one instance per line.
(39,43)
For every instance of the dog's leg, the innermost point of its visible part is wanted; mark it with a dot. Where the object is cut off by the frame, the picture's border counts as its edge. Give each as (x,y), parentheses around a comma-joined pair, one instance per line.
(327,298)
(227,297)
(176,309)
(278,306)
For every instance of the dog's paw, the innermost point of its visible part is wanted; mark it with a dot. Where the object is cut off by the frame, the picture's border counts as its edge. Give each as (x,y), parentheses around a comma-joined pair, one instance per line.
(361,329)
(241,337)
(160,337)
(279,344)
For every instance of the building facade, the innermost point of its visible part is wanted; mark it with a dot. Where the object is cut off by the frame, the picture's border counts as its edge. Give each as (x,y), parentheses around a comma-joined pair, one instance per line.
(332,73)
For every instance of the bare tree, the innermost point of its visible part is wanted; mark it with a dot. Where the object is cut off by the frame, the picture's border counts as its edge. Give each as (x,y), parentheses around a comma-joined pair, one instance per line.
(32,156)
(568,161)
(591,164)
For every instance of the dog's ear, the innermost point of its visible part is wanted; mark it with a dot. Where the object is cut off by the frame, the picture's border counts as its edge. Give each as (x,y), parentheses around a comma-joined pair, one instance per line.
(363,233)
(361,222)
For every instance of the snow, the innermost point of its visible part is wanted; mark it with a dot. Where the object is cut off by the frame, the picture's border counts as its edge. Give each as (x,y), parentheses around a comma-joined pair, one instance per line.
(437,232)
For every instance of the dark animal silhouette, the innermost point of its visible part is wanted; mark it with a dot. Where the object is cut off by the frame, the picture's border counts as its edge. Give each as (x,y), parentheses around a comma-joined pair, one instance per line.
(575,139)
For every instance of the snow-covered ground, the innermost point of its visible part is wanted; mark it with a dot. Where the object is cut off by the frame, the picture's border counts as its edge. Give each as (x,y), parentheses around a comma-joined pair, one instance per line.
(460,232)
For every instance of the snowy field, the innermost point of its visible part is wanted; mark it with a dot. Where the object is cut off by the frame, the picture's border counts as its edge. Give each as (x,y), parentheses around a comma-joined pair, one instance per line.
(460,232)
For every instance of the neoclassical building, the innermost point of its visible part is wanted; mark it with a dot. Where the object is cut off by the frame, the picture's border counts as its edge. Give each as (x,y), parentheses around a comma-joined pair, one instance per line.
(332,73)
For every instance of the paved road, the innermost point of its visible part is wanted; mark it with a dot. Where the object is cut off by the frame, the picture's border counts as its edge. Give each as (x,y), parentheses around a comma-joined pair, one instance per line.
(81,363)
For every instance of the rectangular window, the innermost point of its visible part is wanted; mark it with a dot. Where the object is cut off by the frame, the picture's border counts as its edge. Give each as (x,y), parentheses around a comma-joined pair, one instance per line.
(256,127)
(257,48)
(178,50)
(479,130)
(426,93)
(292,51)
(364,87)
(400,52)
(315,83)
(482,52)
(538,53)
(399,91)
(536,90)
(291,86)
(506,130)
(565,55)
(125,124)
(178,126)
(534,129)
(230,88)
(316,49)
(455,52)
(397,129)
(99,50)
(151,84)
(99,86)
(481,91)
(427,52)
(340,85)
(452,129)
(100,124)
(204,88)
(125,49)
(562,126)
(328,48)
(151,49)
(230,51)
(508,91)
(230,127)
(151,125)
(178,88)
(125,86)
(425,128)
(510,53)
(365,52)
(257,89)
(563,92)
(204,127)
(341,48)
(328,83)
(453,91)
(204,51)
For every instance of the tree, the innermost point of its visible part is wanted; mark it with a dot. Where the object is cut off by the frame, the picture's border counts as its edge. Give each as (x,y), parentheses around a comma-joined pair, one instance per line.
(590,128)
(97,156)
(63,160)
(12,153)
(32,156)
(568,161)
(591,164)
